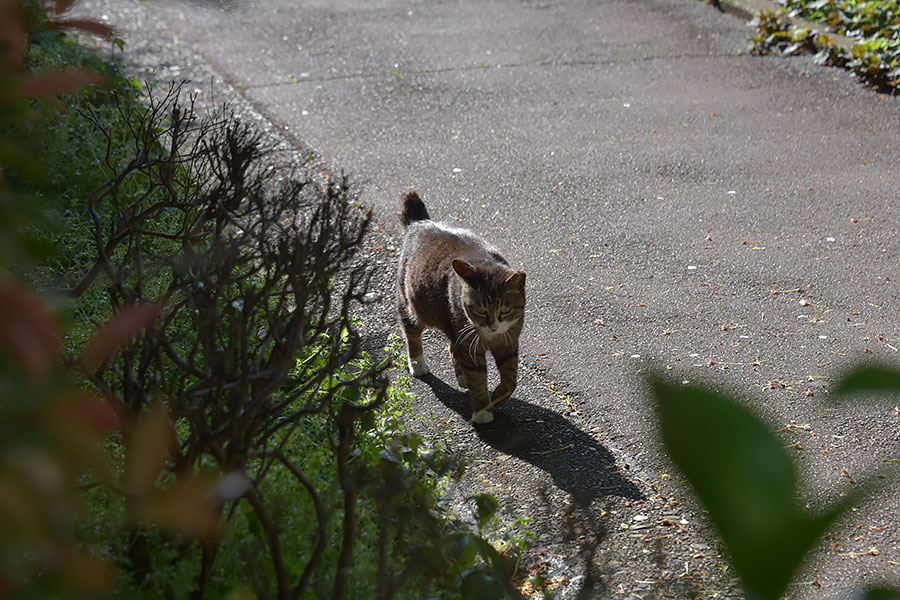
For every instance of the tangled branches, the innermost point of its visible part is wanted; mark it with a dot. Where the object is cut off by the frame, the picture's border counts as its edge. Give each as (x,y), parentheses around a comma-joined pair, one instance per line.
(252,270)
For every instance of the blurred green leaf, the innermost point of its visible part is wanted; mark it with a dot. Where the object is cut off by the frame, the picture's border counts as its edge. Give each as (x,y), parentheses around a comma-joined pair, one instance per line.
(487,506)
(481,585)
(870,380)
(463,550)
(878,594)
(21,218)
(747,482)
(350,393)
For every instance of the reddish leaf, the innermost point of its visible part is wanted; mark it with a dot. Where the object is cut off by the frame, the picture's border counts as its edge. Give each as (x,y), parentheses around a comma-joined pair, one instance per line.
(50,85)
(120,330)
(76,442)
(27,329)
(13,34)
(97,415)
(98,29)
(149,444)
(84,573)
(185,508)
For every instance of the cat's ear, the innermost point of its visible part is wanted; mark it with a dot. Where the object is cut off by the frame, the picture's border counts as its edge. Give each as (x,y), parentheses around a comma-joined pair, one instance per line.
(463,269)
(515,281)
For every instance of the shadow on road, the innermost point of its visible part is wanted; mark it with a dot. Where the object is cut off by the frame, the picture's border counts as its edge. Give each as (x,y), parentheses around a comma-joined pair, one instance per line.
(578,463)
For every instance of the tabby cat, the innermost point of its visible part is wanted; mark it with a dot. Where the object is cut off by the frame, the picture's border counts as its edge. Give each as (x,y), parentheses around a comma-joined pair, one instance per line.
(452,280)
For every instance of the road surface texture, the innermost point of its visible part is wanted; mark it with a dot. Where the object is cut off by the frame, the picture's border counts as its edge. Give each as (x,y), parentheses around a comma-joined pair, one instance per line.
(678,204)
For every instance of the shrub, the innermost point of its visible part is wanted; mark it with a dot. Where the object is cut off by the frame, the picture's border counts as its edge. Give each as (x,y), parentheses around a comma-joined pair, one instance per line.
(229,409)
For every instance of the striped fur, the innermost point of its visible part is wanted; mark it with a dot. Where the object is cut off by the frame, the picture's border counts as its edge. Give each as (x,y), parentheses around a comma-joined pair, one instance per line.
(452,280)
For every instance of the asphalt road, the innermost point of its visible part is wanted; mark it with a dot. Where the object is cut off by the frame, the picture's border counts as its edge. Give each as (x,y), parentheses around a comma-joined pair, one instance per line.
(677,203)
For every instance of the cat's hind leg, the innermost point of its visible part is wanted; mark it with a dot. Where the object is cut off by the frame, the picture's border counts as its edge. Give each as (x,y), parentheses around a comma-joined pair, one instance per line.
(412,333)
(415,355)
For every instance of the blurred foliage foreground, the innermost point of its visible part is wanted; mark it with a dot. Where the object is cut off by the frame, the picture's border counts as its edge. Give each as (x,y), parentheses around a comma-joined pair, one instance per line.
(744,477)
(184,407)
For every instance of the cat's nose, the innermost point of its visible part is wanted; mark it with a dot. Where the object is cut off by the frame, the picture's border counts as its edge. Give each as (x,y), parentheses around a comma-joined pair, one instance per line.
(493,326)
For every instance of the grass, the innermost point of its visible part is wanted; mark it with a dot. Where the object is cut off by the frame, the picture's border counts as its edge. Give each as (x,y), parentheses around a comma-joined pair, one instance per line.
(242,563)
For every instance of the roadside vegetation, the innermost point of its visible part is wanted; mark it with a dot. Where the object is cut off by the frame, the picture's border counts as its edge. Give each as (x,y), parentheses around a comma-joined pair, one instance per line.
(873,28)
(185,410)
(184,407)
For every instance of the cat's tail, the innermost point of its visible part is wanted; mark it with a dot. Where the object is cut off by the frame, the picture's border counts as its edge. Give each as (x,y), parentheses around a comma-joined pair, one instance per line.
(412,209)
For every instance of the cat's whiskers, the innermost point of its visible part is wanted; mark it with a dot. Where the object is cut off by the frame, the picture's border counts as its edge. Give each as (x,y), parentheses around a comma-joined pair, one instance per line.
(507,339)
(475,340)
(464,334)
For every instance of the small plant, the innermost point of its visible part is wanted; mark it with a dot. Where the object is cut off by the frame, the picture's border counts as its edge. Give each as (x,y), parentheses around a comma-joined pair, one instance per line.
(486,561)
(874,28)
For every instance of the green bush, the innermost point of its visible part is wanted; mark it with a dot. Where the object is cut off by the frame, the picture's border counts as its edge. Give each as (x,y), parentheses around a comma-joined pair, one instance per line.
(418,527)
(872,26)
(254,453)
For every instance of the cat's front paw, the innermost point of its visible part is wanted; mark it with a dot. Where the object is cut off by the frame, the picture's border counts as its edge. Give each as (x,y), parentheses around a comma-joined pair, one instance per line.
(482,417)
(418,367)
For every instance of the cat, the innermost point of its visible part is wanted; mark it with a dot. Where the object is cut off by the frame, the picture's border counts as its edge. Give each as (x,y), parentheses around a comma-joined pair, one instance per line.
(450,279)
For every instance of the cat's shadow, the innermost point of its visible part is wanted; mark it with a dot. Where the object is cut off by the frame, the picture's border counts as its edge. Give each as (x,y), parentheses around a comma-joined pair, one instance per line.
(577,462)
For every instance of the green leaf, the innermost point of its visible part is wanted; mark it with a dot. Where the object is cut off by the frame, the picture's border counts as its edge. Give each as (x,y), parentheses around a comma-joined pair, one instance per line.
(745,479)
(481,585)
(462,548)
(350,393)
(871,380)
(486,550)
(487,506)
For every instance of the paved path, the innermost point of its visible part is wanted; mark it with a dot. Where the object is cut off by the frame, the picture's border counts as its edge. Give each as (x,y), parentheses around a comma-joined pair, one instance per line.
(676,202)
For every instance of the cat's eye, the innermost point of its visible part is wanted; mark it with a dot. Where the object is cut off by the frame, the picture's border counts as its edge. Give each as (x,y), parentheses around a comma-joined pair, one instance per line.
(505,310)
